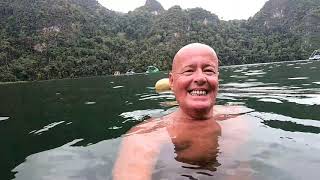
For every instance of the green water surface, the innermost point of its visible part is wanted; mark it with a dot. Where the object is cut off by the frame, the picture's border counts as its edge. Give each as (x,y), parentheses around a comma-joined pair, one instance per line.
(71,129)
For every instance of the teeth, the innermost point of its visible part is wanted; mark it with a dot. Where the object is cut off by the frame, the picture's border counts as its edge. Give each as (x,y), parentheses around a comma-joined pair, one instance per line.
(198,93)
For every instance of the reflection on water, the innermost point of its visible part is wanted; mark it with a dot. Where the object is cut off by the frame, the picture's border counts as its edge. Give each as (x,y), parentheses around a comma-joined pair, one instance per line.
(270,100)
(46,128)
(89,102)
(4,118)
(116,87)
(140,115)
(70,162)
(71,129)
(297,78)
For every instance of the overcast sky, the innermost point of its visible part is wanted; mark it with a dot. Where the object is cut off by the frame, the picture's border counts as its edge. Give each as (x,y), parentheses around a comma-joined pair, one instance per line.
(225,9)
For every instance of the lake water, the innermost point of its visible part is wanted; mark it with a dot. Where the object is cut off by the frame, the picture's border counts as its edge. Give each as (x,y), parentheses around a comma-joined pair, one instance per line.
(71,129)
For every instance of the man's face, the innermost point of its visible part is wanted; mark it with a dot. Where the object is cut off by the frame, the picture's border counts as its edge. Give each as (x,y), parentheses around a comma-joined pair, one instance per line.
(194,79)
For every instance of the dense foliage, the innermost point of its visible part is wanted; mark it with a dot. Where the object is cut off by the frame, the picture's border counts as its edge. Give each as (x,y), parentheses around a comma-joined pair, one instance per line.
(48,39)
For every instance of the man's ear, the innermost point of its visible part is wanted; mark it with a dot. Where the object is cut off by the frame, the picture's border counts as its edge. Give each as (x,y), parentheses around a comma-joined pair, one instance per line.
(171,81)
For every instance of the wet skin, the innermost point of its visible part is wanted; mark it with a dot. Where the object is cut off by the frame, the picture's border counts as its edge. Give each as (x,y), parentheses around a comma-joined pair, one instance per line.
(194,143)
(192,128)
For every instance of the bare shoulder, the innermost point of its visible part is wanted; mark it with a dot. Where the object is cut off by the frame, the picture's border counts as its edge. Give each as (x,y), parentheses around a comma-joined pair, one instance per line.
(148,126)
(236,130)
(233,118)
(226,112)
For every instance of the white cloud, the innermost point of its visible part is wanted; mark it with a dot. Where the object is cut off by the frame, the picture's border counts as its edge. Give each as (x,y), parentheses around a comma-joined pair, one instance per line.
(225,9)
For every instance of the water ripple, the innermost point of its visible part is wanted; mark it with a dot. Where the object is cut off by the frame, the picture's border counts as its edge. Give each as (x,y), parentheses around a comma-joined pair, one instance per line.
(90,102)
(139,115)
(254,73)
(270,100)
(69,162)
(4,118)
(158,97)
(298,78)
(273,116)
(248,84)
(46,128)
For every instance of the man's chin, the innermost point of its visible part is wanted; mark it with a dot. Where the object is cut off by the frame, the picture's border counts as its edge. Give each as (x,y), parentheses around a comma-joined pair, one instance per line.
(200,107)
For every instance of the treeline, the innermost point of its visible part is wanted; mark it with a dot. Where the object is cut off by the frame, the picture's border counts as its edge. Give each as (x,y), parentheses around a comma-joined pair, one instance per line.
(50,39)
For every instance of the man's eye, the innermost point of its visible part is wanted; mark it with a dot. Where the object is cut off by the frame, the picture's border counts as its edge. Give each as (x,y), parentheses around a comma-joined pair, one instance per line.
(187,72)
(209,71)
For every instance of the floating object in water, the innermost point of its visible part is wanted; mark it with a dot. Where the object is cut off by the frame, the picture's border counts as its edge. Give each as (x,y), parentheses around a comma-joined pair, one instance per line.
(315,55)
(130,72)
(117,73)
(162,85)
(152,69)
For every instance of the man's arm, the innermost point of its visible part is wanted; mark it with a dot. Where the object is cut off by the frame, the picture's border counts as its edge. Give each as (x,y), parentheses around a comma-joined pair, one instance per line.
(137,156)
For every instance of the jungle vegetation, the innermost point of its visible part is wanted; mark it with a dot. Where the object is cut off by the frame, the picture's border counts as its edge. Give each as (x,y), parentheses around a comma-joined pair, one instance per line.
(53,39)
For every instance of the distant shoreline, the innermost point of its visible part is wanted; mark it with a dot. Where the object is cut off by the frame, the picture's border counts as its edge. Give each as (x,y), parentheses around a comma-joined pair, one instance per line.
(16,82)
(13,82)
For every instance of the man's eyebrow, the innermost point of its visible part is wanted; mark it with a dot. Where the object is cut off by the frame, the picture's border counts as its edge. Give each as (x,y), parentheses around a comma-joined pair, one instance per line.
(188,66)
(212,65)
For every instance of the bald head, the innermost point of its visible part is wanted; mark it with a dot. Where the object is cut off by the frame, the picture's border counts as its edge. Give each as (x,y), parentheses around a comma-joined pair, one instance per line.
(194,49)
(194,80)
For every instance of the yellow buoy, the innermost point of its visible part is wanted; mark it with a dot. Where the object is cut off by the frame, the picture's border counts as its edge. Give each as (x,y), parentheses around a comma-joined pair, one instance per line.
(162,85)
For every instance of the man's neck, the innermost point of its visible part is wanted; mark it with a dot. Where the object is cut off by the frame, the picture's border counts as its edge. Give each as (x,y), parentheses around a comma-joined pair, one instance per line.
(183,116)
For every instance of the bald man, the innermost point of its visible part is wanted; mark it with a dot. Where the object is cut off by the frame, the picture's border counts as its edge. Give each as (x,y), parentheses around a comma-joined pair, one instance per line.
(191,132)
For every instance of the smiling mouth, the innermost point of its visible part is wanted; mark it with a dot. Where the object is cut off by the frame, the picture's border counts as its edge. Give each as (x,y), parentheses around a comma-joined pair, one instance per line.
(198,92)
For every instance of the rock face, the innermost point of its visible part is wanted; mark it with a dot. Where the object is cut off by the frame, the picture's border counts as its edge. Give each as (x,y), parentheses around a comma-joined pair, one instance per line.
(291,16)
(153,5)
(30,16)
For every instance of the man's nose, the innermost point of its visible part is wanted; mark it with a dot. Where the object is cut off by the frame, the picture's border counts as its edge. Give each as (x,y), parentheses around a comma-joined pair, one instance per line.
(200,78)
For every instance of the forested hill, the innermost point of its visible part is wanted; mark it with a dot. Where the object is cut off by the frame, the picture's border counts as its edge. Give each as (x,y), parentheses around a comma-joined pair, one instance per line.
(49,39)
